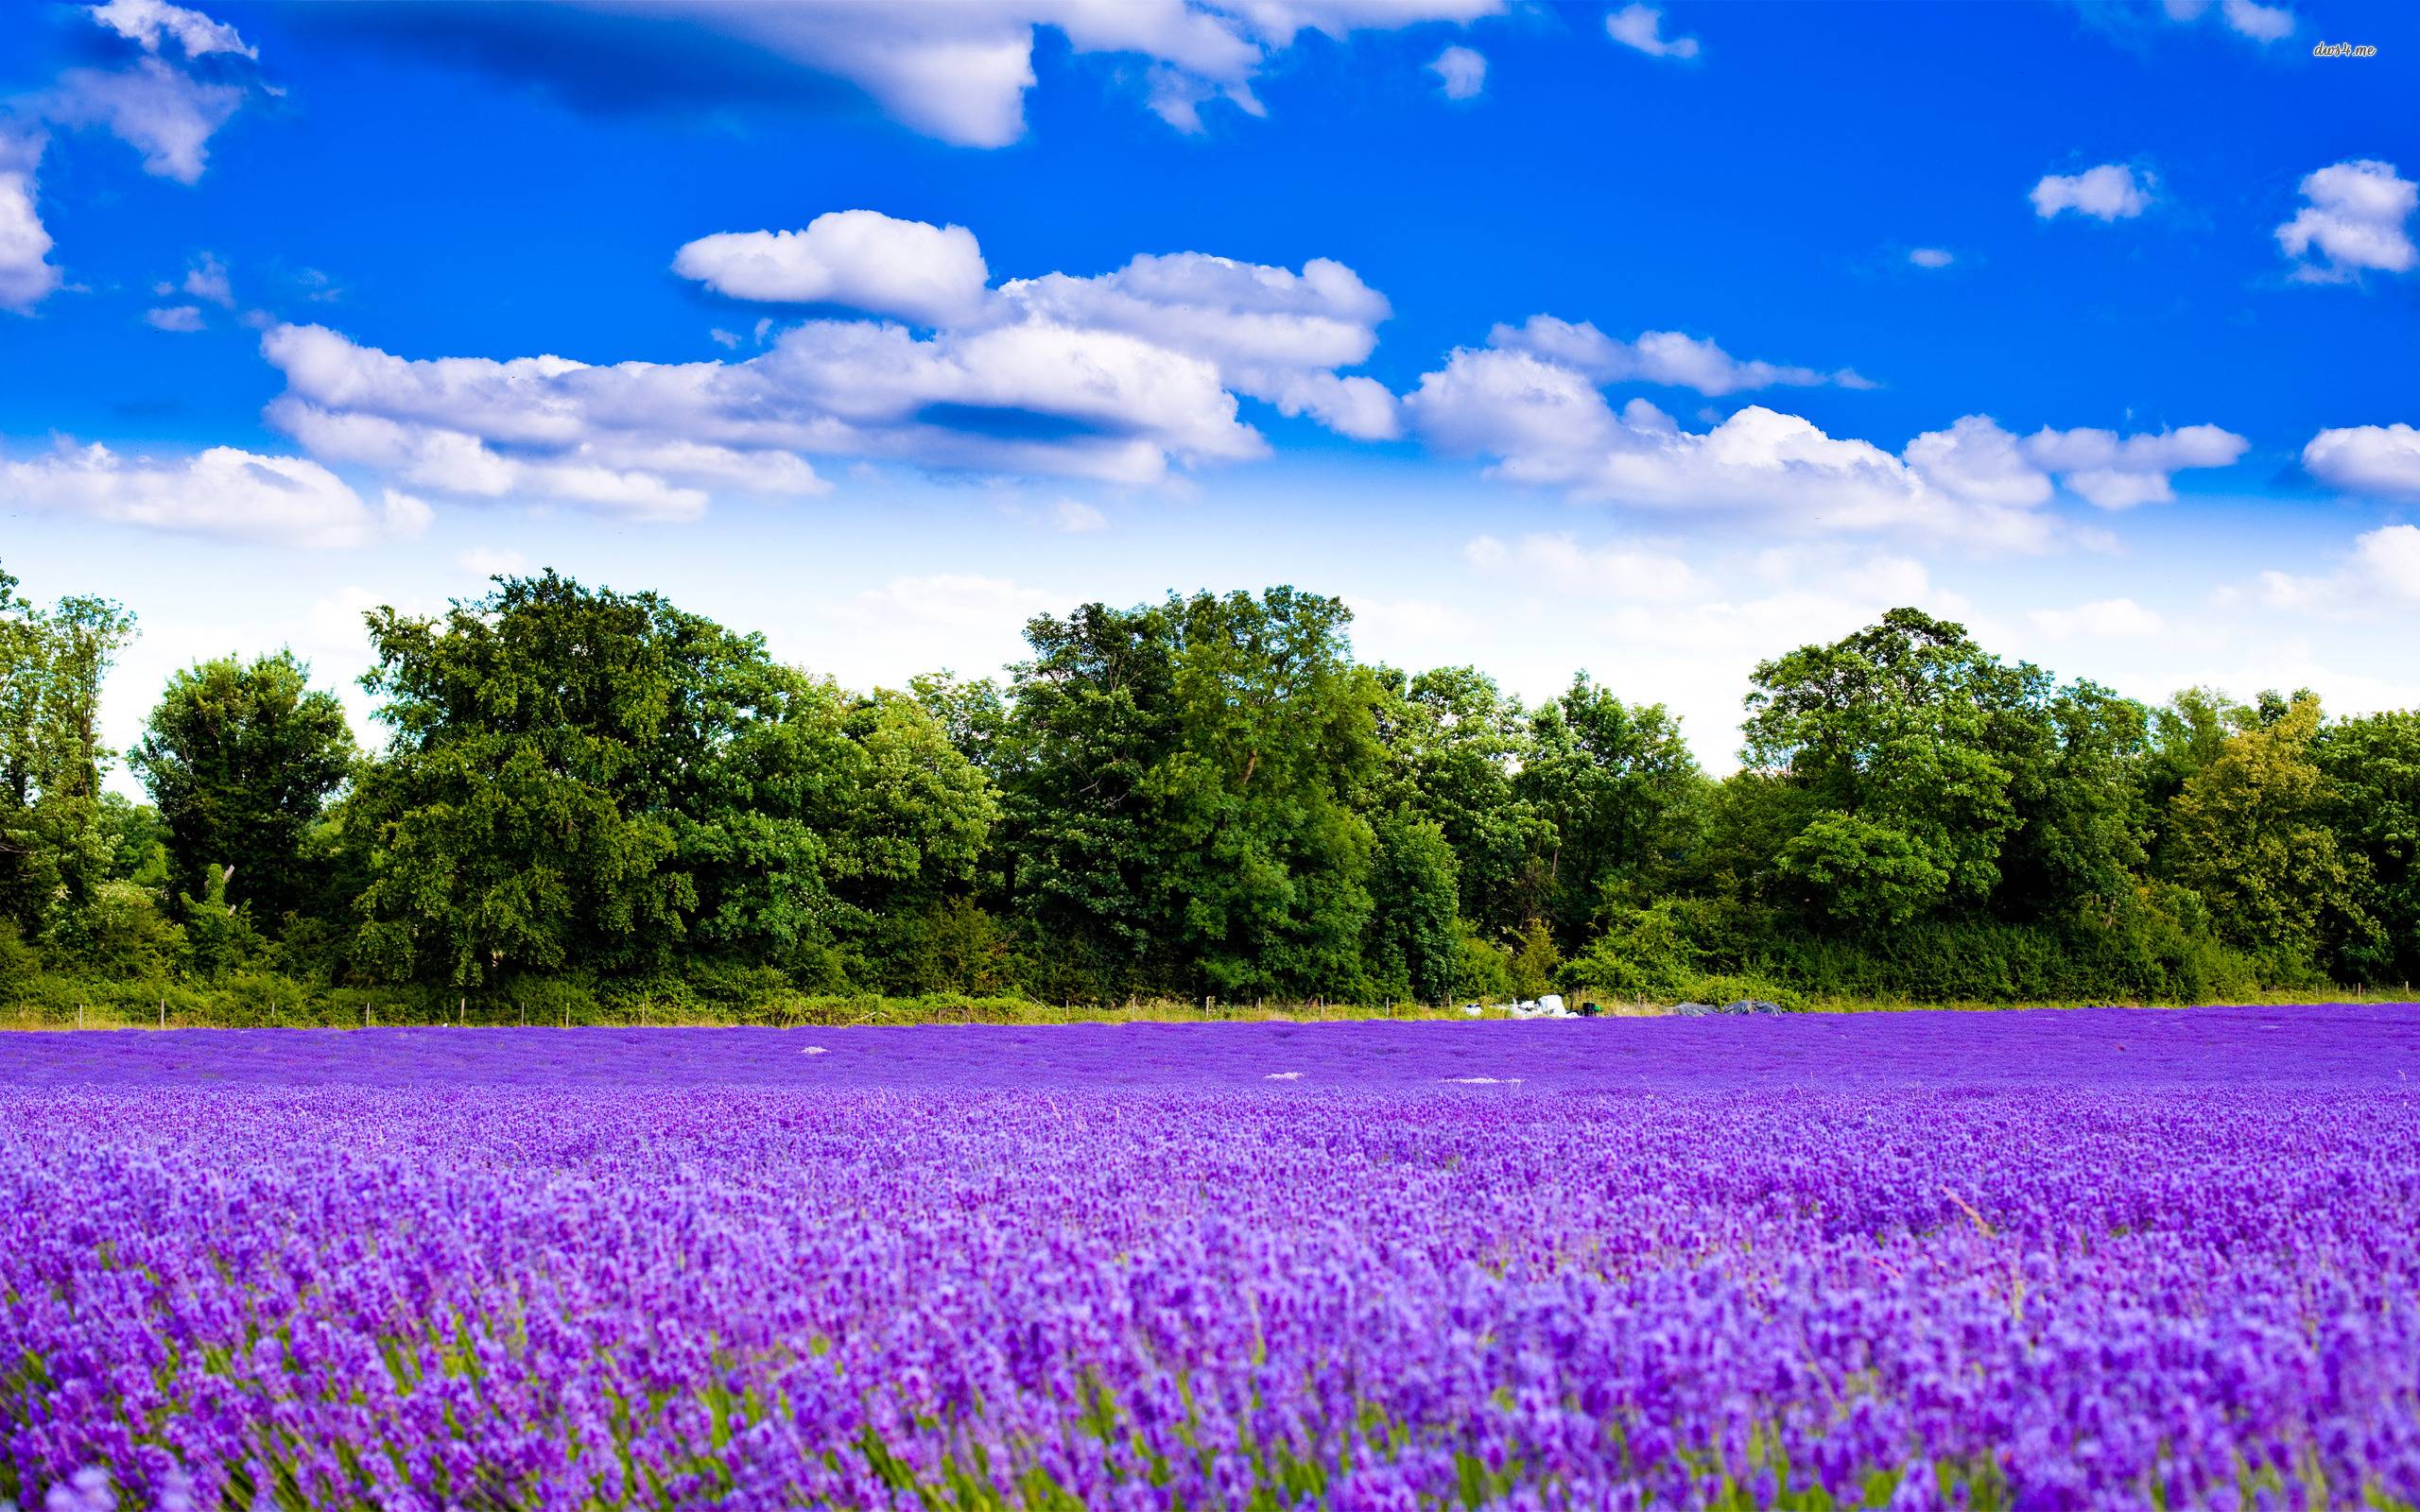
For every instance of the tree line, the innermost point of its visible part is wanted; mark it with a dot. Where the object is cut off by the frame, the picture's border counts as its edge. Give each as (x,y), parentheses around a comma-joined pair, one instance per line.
(1209,795)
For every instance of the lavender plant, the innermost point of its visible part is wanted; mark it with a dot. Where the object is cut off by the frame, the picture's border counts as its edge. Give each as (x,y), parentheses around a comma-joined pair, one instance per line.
(2110,1259)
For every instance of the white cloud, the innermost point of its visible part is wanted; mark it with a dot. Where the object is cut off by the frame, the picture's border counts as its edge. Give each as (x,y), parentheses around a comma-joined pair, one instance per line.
(932,275)
(2120,472)
(959,70)
(2355,220)
(1656,357)
(150,22)
(2262,23)
(2258,22)
(1118,377)
(2101,620)
(484,562)
(185,317)
(1931,256)
(160,110)
(2384,565)
(207,280)
(1076,518)
(1544,421)
(2109,192)
(1642,26)
(2367,459)
(1275,334)
(26,275)
(726,339)
(154,105)
(222,491)
(1461,72)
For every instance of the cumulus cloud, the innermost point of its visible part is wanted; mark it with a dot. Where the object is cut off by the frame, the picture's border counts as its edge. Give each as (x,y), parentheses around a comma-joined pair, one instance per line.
(2118,472)
(1931,256)
(1641,27)
(2367,459)
(222,491)
(27,273)
(2104,619)
(957,70)
(184,318)
(2109,192)
(2355,220)
(1545,422)
(1272,333)
(1656,357)
(1461,72)
(932,275)
(1117,377)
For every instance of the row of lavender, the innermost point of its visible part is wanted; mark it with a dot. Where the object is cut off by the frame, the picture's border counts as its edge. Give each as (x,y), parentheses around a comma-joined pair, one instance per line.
(929,1272)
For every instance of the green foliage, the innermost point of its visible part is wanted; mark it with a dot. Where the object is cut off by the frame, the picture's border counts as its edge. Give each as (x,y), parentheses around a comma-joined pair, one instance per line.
(1180,784)
(55,852)
(240,758)
(1454,743)
(2373,767)
(590,777)
(1412,949)
(596,807)
(1915,747)
(2250,834)
(1624,797)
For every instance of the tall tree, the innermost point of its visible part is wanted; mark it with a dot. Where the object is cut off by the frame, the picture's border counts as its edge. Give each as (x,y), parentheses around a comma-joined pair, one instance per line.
(54,853)
(589,780)
(1914,748)
(1620,799)
(1181,790)
(2374,765)
(1454,743)
(241,758)
(2250,834)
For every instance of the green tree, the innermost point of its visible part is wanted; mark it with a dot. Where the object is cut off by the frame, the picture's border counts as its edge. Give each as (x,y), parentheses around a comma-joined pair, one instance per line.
(1620,799)
(1454,743)
(55,850)
(2250,833)
(2084,825)
(2373,765)
(241,759)
(1180,789)
(1413,946)
(1915,751)
(588,780)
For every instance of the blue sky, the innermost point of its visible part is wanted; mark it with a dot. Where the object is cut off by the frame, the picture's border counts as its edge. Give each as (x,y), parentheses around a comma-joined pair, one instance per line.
(1650,340)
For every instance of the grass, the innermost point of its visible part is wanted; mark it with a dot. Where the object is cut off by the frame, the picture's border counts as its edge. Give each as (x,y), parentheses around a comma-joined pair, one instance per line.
(64,1005)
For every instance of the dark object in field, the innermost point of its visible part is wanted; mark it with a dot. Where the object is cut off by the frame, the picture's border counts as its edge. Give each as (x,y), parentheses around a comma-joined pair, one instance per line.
(1590,1010)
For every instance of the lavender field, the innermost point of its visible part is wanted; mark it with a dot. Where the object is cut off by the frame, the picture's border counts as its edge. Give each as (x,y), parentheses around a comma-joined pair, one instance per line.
(2120,1259)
